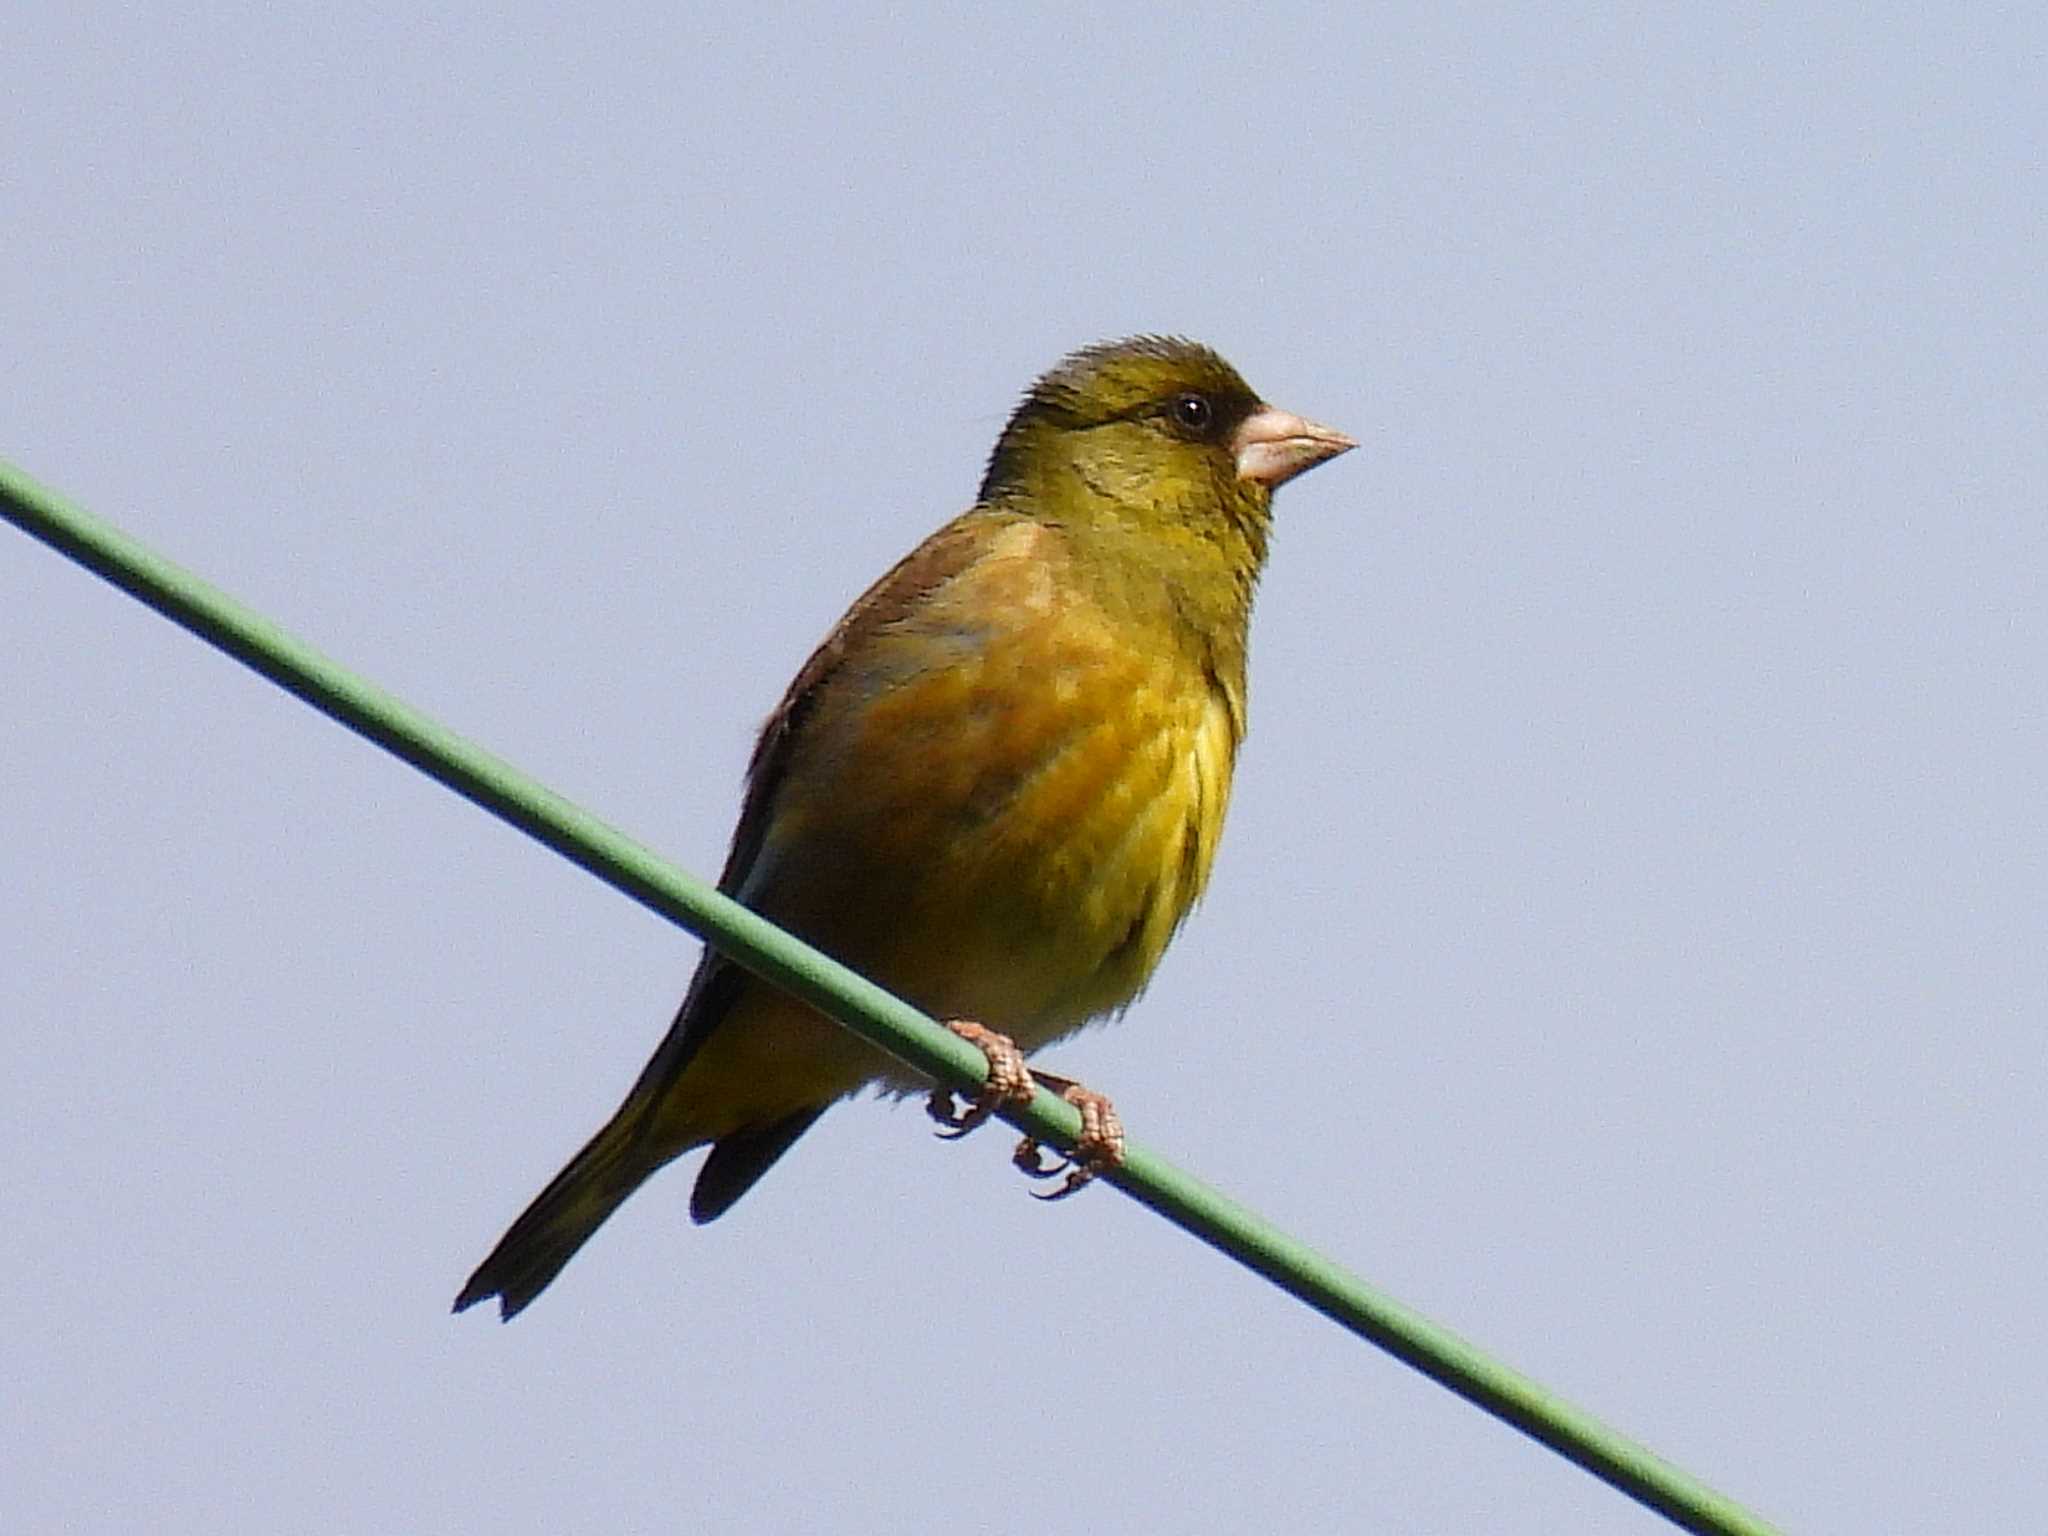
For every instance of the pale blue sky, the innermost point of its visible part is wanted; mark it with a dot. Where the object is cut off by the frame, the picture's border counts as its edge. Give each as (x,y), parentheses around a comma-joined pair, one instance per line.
(1627,946)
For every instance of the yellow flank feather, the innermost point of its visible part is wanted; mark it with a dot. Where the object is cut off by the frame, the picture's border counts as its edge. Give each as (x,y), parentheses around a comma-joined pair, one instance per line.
(997,787)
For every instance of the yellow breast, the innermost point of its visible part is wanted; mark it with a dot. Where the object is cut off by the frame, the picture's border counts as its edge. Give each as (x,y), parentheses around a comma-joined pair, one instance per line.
(999,807)
(1020,813)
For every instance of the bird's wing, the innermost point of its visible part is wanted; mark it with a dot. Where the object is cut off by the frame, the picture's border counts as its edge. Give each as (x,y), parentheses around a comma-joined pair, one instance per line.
(950,551)
(719,983)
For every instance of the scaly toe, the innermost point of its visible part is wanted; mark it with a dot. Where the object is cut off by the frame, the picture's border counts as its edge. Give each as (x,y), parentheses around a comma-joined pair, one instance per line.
(1008,1082)
(1099,1147)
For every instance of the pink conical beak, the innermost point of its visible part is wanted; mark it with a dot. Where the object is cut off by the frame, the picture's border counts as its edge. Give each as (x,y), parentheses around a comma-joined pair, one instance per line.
(1273,446)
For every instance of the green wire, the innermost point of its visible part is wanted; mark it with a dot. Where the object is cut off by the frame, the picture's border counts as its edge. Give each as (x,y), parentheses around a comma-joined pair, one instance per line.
(858,1004)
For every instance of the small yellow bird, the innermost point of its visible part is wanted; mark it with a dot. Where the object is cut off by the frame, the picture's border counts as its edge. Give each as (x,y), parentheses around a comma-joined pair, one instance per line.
(996,788)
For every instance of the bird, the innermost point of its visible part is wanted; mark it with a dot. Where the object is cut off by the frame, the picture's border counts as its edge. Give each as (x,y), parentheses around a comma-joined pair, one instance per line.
(996,788)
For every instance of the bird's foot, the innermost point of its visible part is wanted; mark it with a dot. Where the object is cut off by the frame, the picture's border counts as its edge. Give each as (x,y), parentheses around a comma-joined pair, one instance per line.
(1100,1147)
(1008,1082)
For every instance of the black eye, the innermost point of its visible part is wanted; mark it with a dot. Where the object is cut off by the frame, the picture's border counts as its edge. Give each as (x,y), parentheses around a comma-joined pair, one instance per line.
(1193,412)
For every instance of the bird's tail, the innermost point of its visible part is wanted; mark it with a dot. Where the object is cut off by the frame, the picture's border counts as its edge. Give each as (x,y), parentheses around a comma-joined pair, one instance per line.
(563,1216)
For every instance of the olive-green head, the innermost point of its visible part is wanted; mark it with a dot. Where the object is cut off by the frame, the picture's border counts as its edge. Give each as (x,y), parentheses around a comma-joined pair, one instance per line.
(1155,431)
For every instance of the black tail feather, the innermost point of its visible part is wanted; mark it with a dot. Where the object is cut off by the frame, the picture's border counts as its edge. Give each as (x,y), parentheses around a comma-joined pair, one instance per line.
(738,1160)
(560,1220)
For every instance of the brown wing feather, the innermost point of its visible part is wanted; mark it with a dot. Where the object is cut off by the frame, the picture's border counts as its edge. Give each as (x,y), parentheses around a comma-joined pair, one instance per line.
(941,557)
(719,983)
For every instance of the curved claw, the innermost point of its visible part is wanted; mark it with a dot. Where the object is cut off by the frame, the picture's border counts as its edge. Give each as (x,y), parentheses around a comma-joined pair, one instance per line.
(1100,1145)
(955,1121)
(1036,1161)
(1078,1178)
(1008,1083)
(1030,1159)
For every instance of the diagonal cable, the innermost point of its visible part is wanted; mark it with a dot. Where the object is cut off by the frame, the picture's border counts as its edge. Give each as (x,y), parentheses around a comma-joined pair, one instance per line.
(857,1003)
